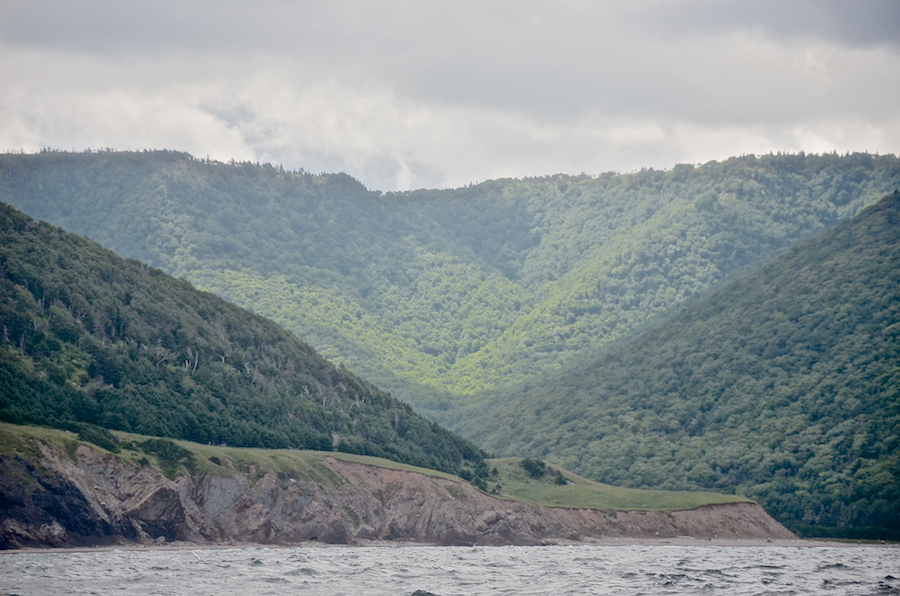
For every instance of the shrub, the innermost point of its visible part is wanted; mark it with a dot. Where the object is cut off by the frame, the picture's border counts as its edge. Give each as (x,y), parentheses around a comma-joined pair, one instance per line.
(535,467)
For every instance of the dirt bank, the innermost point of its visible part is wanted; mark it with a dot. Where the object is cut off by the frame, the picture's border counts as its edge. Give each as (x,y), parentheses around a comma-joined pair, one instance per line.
(96,498)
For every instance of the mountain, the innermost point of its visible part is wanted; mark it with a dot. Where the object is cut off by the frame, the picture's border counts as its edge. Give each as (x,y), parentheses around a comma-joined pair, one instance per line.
(470,303)
(91,341)
(783,386)
(445,297)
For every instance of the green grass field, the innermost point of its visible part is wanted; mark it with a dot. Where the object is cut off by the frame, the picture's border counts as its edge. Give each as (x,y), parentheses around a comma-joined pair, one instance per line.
(580,492)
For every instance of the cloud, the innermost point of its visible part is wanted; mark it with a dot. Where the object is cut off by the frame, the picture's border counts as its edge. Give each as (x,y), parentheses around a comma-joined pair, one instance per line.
(864,23)
(410,94)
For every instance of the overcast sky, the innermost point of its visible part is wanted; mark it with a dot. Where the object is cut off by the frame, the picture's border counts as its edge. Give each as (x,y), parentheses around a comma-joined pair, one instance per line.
(409,94)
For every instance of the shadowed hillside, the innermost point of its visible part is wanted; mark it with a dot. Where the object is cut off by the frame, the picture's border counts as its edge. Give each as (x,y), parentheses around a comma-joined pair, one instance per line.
(783,386)
(91,340)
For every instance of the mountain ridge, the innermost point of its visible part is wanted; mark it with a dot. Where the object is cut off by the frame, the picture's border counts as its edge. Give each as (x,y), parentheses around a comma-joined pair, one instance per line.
(443,296)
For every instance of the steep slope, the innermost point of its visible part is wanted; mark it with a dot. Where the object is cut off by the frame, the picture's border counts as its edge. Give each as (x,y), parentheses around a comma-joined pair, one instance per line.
(89,338)
(783,386)
(56,491)
(445,296)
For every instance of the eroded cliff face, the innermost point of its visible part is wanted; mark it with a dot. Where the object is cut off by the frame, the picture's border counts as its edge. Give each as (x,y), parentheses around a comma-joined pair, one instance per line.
(97,498)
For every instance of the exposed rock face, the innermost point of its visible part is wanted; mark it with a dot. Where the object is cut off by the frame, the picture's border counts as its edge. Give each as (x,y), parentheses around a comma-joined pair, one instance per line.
(100,499)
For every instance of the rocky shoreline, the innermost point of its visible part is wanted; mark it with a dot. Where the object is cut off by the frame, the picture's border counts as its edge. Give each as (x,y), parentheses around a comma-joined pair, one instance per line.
(93,498)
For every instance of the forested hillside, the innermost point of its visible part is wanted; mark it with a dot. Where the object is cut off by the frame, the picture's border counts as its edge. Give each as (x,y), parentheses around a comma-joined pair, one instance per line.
(91,341)
(443,297)
(783,386)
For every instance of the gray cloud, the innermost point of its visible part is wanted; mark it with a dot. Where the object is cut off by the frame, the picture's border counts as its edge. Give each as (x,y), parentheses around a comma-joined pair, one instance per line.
(404,94)
(863,23)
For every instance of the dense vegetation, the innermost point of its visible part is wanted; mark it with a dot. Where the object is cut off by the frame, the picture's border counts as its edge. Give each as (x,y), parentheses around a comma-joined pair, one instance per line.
(783,386)
(91,341)
(443,297)
(465,302)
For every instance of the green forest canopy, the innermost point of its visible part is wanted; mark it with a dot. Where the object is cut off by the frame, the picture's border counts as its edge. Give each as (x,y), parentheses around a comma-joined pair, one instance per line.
(92,340)
(443,297)
(783,386)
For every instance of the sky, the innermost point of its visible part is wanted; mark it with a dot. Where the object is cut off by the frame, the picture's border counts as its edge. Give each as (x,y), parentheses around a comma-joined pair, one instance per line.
(405,94)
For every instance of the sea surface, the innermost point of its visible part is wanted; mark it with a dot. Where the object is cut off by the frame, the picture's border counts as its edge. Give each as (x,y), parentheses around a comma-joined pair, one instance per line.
(446,571)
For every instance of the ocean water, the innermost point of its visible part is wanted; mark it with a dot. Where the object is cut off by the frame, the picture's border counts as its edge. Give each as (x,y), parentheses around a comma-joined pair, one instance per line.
(447,571)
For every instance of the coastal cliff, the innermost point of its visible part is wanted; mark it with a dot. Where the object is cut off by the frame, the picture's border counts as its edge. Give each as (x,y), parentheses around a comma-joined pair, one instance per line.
(86,496)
